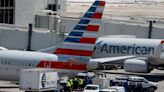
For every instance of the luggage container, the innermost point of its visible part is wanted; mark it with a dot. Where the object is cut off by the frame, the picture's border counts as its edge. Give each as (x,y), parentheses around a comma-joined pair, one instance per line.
(38,79)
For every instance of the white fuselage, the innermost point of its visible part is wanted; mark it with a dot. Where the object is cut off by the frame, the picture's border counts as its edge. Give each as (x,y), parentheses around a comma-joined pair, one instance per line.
(12,61)
(112,47)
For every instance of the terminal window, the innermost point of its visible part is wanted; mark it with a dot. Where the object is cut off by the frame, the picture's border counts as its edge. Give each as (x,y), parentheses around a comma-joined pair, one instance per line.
(7,11)
(52,7)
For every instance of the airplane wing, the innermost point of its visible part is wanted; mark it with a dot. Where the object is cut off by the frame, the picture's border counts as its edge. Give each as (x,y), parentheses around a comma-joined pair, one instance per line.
(111,59)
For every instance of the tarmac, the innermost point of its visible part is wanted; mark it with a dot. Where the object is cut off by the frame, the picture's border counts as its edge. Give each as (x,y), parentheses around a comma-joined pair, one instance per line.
(139,10)
(155,76)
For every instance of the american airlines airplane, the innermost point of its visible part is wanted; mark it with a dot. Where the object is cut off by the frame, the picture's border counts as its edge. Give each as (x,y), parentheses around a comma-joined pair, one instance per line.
(72,56)
(136,54)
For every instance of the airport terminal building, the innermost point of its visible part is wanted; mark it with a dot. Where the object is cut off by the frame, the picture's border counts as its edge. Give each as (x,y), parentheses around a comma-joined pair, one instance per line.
(23,12)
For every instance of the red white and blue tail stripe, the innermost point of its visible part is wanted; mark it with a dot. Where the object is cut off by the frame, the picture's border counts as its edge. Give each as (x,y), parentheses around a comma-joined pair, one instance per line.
(79,44)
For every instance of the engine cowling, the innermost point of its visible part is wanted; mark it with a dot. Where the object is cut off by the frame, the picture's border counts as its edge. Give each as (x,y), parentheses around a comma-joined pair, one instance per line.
(137,66)
(92,65)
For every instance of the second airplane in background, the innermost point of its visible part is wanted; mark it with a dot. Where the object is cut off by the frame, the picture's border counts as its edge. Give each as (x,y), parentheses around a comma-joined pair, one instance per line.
(136,54)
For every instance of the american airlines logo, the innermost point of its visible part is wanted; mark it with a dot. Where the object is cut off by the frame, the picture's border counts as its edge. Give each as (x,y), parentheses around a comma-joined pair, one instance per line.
(122,49)
(97,45)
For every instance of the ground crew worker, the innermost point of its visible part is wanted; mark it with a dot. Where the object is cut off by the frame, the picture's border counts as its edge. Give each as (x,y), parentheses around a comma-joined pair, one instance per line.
(71,82)
(75,83)
(68,86)
(80,82)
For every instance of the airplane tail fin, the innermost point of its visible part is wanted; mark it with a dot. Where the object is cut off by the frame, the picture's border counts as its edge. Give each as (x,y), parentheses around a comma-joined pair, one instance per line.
(79,44)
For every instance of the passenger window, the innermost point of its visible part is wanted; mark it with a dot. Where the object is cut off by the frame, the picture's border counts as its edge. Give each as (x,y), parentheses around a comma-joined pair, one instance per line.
(29,65)
(8,63)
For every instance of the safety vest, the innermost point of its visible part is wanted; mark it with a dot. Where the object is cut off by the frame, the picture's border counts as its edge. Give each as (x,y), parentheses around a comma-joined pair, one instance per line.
(71,81)
(68,84)
(81,81)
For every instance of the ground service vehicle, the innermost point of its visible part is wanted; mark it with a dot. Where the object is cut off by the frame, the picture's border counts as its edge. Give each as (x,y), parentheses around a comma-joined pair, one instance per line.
(144,82)
(135,82)
(113,89)
(91,88)
(39,79)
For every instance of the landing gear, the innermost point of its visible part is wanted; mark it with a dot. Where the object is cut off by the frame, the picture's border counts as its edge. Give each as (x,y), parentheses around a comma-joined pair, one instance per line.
(150,68)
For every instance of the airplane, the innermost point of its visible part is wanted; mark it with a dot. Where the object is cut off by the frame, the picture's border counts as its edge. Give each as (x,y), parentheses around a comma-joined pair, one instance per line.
(137,55)
(71,57)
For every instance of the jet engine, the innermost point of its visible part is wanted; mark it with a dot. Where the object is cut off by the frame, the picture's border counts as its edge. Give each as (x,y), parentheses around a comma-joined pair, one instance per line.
(137,66)
(92,65)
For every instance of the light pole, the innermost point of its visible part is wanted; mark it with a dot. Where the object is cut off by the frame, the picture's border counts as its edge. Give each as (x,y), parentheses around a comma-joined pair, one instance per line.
(151,28)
